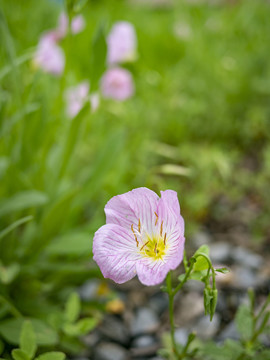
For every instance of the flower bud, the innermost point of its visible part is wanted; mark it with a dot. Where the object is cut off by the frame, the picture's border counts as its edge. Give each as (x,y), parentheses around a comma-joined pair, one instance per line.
(213,303)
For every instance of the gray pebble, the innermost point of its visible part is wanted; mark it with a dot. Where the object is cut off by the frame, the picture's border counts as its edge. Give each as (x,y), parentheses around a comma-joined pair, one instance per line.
(244,278)
(181,336)
(88,291)
(205,328)
(145,321)
(201,238)
(109,351)
(114,329)
(246,258)
(159,302)
(229,332)
(220,252)
(143,341)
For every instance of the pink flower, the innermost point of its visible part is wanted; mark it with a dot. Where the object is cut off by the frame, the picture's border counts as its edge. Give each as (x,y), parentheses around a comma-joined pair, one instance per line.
(117,84)
(49,56)
(122,43)
(143,235)
(76,97)
(77,25)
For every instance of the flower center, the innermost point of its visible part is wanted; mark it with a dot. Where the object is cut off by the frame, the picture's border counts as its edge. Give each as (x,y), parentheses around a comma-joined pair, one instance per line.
(154,248)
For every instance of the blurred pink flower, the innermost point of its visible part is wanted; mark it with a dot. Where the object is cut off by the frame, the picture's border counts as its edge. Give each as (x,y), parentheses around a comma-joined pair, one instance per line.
(117,84)
(49,56)
(77,25)
(76,97)
(122,43)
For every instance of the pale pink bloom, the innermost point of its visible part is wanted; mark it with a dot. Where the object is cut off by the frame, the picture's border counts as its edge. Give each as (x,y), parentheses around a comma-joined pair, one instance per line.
(122,43)
(76,97)
(49,56)
(143,235)
(117,83)
(77,25)
(94,100)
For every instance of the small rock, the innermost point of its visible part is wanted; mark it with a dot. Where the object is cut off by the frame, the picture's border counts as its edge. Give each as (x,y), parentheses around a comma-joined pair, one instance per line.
(92,289)
(229,332)
(244,257)
(190,307)
(201,238)
(244,278)
(159,302)
(91,339)
(205,328)
(143,341)
(220,252)
(109,351)
(114,329)
(181,336)
(145,321)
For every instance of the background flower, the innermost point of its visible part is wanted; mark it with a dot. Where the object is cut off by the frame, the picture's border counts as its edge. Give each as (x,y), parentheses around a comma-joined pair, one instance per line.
(76,96)
(77,25)
(49,56)
(117,84)
(122,43)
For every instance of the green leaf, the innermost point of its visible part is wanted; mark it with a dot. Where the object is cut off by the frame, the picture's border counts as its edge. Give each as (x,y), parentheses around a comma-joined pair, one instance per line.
(264,355)
(2,346)
(56,214)
(201,262)
(223,270)
(28,339)
(11,330)
(22,200)
(181,277)
(77,243)
(19,354)
(98,56)
(14,225)
(73,137)
(9,273)
(73,308)
(230,350)
(82,327)
(52,355)
(244,321)
(80,4)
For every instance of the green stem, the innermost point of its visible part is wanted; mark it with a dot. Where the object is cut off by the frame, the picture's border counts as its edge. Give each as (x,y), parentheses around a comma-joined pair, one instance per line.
(171,299)
(179,287)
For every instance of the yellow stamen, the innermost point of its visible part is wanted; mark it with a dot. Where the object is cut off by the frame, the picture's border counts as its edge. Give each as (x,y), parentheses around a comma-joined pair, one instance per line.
(156,218)
(144,245)
(137,242)
(161,229)
(139,226)
(165,238)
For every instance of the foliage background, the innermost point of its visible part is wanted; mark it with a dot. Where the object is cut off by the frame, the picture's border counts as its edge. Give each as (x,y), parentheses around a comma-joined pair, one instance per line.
(198,124)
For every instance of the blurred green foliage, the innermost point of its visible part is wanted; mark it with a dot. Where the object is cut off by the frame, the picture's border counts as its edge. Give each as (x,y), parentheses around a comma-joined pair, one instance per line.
(198,124)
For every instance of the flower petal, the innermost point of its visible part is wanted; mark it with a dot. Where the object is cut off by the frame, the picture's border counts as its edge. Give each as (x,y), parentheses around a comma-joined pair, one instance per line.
(115,252)
(128,208)
(169,211)
(151,272)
